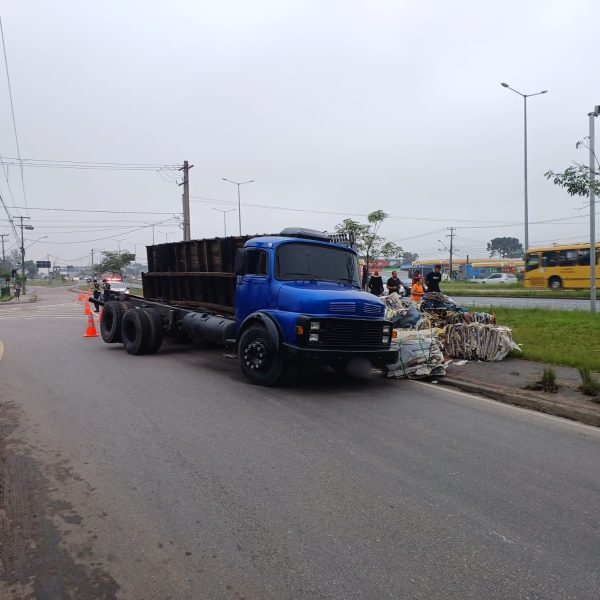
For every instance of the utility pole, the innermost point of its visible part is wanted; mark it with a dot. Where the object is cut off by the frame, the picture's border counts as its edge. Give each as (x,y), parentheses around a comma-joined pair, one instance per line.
(23,251)
(467,268)
(92,263)
(3,235)
(592,116)
(451,236)
(186,202)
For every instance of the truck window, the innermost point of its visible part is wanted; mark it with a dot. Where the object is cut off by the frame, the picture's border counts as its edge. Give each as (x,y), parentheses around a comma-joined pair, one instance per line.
(256,262)
(316,263)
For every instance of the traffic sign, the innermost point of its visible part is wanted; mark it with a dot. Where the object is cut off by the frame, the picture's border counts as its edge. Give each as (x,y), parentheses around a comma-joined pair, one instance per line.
(42,264)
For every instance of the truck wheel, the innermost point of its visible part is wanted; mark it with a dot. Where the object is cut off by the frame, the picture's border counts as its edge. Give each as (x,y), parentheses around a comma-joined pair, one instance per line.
(136,331)
(110,326)
(260,360)
(555,283)
(156,327)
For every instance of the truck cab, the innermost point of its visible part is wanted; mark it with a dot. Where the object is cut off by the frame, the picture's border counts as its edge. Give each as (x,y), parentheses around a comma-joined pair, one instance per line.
(298,299)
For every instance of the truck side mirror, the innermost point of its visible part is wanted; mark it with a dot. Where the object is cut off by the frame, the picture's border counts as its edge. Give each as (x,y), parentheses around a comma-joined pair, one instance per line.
(239,266)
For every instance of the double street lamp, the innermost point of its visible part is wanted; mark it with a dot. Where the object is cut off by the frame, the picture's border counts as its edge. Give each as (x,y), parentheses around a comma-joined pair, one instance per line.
(238,183)
(224,217)
(525,96)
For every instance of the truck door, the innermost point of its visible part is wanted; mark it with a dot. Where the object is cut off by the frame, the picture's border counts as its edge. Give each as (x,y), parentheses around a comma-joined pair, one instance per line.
(252,287)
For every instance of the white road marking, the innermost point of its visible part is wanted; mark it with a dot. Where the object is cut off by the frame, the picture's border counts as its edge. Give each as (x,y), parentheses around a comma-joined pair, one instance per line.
(66,310)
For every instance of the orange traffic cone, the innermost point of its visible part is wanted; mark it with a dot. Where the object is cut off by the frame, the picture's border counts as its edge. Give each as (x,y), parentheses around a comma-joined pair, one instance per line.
(86,308)
(91,327)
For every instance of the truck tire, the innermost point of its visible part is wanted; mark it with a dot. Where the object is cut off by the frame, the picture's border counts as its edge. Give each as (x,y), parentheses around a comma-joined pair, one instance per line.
(260,359)
(110,325)
(555,283)
(136,331)
(156,327)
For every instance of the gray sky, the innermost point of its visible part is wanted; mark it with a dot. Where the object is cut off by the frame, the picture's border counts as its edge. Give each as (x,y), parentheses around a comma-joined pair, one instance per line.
(334,106)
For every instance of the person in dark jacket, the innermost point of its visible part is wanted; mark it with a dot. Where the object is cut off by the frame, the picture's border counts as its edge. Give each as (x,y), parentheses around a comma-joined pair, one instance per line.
(106,290)
(376,284)
(96,294)
(394,284)
(432,281)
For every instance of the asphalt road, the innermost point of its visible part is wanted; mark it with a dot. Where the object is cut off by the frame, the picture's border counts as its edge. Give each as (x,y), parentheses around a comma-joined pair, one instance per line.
(554,303)
(168,476)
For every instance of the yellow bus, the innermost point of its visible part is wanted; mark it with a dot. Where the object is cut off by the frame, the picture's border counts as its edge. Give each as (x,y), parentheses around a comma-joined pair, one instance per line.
(560,266)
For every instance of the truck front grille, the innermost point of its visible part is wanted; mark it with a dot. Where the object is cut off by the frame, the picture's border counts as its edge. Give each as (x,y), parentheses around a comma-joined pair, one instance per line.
(351,333)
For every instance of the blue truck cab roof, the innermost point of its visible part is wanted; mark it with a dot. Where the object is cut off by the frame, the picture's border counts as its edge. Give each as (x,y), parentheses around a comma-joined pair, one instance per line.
(275,241)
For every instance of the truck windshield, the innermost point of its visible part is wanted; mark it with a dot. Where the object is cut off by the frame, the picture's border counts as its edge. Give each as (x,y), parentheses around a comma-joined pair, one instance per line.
(316,263)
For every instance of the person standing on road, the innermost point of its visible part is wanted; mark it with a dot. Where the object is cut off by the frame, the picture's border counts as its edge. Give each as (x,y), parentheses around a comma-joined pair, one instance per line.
(96,294)
(18,291)
(376,284)
(106,289)
(432,281)
(394,285)
(417,290)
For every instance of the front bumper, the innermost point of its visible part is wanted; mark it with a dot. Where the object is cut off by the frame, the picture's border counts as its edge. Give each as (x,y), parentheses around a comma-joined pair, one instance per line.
(336,356)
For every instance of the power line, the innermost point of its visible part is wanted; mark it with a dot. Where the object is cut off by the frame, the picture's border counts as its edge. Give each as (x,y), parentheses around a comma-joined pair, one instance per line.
(90,210)
(110,237)
(10,219)
(102,166)
(12,109)
(346,214)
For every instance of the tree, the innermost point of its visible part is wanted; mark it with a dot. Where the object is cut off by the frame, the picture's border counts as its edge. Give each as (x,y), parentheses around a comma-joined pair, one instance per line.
(505,247)
(391,250)
(409,257)
(576,179)
(366,235)
(31,268)
(113,261)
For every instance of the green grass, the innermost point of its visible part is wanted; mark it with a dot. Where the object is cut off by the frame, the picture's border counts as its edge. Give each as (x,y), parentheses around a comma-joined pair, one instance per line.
(558,337)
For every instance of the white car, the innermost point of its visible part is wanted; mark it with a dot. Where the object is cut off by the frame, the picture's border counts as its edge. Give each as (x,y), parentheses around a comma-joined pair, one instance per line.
(119,286)
(497,278)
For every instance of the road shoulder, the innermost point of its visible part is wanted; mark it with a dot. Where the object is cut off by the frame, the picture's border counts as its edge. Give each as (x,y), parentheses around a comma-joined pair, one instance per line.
(505,382)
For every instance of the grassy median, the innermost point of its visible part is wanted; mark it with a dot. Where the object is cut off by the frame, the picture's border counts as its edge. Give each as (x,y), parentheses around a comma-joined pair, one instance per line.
(559,337)
(509,290)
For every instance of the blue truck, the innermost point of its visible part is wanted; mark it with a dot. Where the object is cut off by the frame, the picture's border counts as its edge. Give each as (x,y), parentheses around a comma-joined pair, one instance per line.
(276,300)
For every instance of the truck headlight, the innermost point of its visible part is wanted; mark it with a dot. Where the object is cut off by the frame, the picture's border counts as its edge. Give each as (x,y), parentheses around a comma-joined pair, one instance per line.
(386,329)
(313,337)
(315,326)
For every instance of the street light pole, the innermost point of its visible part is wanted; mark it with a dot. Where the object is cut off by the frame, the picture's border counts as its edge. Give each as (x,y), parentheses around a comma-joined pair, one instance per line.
(592,116)
(238,183)
(526,192)
(224,217)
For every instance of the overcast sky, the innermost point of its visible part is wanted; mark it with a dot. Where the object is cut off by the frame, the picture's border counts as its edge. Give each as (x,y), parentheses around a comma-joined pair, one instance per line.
(334,108)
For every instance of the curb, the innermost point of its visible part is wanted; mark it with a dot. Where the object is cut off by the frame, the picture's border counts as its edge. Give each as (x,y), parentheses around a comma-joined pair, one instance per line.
(518,398)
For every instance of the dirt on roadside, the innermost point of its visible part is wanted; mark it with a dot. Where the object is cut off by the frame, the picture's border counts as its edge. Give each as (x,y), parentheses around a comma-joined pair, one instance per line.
(38,559)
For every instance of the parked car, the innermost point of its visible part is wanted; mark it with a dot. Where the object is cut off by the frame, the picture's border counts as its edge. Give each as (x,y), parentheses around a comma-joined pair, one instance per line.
(498,278)
(119,286)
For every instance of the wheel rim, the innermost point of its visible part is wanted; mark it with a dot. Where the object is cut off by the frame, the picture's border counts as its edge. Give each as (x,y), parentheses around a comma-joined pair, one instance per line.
(256,356)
